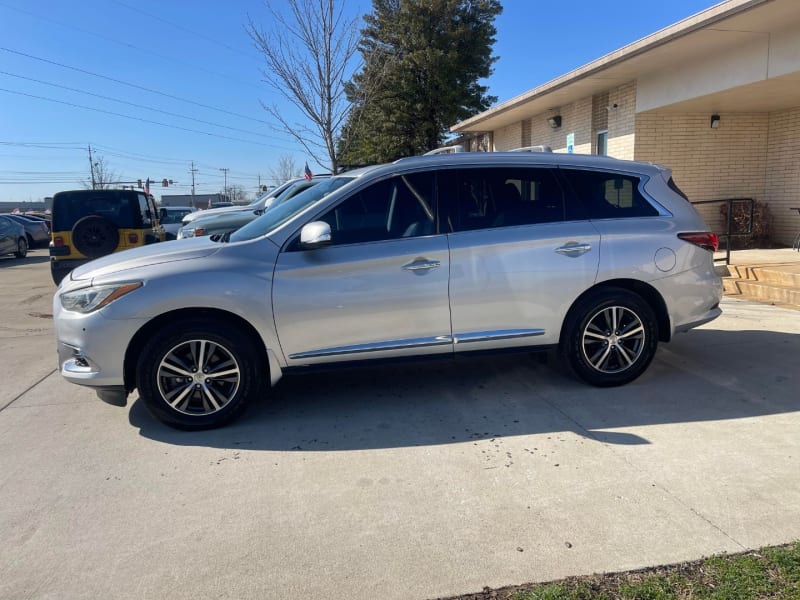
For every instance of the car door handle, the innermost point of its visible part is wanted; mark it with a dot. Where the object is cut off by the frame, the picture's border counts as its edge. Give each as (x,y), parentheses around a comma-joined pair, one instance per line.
(422,265)
(573,249)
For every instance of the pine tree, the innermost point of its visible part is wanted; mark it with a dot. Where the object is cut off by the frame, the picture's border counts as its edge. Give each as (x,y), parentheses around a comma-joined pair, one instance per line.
(423,62)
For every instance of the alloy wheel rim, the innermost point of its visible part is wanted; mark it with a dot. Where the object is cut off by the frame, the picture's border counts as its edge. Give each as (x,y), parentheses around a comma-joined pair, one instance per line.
(198,377)
(613,339)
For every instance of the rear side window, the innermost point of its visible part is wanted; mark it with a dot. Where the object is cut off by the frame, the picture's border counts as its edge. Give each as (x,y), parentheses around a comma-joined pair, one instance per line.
(609,195)
(121,209)
(502,197)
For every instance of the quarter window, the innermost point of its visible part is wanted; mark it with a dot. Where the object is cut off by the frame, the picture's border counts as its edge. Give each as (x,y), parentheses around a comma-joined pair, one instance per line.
(609,195)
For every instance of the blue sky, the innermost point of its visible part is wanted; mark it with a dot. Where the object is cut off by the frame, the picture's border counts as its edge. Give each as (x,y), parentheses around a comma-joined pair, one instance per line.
(193,61)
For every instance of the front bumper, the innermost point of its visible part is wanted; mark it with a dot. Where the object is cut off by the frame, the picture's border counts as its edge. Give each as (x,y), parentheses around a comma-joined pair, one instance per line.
(91,348)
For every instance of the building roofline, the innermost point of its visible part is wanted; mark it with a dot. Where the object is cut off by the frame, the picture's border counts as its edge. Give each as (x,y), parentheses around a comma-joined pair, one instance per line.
(695,22)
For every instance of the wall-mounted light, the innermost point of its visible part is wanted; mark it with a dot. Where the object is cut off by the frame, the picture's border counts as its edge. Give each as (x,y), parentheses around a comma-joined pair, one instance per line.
(714,121)
(554,121)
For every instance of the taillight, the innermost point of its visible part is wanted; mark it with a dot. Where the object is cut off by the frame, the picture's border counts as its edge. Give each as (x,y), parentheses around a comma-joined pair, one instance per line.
(705,239)
(133,238)
(58,241)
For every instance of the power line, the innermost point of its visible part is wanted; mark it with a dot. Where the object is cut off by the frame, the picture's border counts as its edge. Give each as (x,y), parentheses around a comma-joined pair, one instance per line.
(126,102)
(133,85)
(108,112)
(127,44)
(186,29)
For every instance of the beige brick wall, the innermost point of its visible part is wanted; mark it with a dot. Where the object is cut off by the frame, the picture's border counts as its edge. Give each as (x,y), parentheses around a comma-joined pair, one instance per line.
(782,188)
(508,138)
(708,164)
(622,121)
(575,118)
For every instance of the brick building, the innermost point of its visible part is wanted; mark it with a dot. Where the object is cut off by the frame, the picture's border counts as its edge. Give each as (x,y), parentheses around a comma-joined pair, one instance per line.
(716,97)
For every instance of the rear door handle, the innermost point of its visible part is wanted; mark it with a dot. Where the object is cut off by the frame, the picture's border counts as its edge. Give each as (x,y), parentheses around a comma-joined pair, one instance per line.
(422,265)
(573,249)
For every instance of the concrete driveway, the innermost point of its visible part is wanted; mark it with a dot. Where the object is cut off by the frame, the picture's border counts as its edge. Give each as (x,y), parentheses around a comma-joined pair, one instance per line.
(414,481)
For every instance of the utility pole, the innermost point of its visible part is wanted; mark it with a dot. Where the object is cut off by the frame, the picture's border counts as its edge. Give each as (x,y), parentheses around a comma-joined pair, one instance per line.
(91,167)
(225,171)
(193,171)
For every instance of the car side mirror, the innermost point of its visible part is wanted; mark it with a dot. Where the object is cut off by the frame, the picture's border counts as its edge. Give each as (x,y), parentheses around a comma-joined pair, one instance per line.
(315,234)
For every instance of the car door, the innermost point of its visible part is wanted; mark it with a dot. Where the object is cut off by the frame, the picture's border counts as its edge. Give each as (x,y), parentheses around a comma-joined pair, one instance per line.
(8,242)
(520,254)
(379,290)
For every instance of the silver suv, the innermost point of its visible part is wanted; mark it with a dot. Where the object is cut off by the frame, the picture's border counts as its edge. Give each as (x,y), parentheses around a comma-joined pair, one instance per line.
(436,255)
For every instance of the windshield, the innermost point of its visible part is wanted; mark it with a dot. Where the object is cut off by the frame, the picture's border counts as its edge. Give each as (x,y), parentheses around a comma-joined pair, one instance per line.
(278,215)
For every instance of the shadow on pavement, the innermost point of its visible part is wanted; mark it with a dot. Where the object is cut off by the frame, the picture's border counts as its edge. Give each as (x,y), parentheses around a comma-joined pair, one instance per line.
(12,261)
(706,375)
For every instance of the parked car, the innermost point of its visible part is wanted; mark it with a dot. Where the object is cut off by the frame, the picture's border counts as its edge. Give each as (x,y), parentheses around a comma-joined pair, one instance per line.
(12,238)
(217,224)
(88,224)
(261,203)
(171,219)
(37,231)
(429,256)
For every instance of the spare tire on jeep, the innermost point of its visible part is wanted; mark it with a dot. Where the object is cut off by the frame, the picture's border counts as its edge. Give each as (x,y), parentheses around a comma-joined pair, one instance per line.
(95,236)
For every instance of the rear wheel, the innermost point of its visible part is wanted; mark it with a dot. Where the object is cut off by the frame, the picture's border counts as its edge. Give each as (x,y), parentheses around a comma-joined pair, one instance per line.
(611,337)
(194,375)
(22,248)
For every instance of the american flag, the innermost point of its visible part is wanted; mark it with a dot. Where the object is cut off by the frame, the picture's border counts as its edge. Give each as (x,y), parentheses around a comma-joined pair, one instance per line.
(307,173)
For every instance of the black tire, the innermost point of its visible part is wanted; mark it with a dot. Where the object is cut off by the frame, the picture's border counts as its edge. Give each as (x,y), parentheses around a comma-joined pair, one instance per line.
(600,353)
(95,236)
(22,248)
(193,400)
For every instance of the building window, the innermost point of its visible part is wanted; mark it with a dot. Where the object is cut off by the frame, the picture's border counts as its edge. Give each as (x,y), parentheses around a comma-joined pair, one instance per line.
(602,143)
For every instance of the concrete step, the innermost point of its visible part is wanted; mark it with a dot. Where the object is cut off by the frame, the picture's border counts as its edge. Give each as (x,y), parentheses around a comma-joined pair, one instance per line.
(782,275)
(769,292)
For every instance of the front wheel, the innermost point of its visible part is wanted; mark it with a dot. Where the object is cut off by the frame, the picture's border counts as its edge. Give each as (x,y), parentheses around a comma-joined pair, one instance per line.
(611,337)
(194,375)
(22,249)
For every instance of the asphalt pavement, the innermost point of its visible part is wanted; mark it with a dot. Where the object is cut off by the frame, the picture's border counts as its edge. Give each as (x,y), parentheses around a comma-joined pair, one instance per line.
(412,481)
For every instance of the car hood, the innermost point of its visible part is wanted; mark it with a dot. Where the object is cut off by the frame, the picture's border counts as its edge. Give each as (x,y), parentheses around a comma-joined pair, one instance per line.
(209,212)
(154,254)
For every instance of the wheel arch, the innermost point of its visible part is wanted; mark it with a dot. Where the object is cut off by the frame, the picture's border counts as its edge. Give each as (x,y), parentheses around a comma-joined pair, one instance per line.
(644,290)
(141,337)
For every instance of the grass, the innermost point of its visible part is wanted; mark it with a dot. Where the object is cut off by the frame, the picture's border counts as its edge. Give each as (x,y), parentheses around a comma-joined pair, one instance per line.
(767,573)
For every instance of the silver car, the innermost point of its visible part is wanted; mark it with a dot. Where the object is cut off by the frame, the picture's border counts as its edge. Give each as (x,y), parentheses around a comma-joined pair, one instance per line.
(432,256)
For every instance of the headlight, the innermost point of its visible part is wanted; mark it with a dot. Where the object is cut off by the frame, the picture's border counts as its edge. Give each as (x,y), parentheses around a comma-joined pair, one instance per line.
(89,299)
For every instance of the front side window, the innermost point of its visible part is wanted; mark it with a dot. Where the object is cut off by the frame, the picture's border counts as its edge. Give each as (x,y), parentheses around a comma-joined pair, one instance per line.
(278,215)
(609,195)
(395,208)
(501,197)
(144,210)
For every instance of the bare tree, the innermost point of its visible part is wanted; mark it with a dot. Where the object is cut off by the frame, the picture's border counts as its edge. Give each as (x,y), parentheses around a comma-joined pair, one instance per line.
(103,177)
(308,58)
(236,194)
(285,170)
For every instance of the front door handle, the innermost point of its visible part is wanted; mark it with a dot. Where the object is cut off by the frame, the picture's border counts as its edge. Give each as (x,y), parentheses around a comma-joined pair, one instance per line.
(422,264)
(573,249)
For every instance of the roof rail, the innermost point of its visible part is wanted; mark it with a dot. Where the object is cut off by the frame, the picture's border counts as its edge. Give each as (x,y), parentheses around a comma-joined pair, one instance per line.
(446,150)
(540,148)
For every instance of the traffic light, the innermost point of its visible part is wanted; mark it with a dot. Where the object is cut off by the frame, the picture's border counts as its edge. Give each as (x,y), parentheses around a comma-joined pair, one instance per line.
(139,183)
